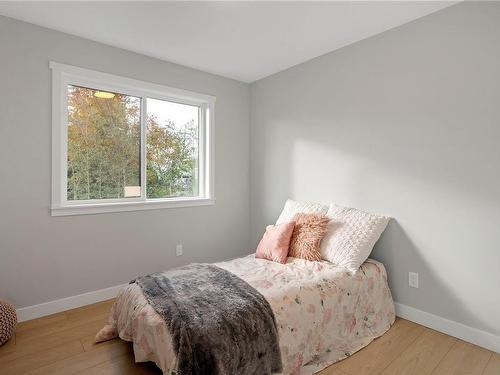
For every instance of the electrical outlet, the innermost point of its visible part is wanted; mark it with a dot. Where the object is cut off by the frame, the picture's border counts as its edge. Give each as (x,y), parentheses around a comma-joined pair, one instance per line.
(413,279)
(178,250)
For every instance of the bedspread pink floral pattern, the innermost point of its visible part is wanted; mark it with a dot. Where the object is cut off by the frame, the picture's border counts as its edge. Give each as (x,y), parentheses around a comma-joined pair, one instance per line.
(323,313)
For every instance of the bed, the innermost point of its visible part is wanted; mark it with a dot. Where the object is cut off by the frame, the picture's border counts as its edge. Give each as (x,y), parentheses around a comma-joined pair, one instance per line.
(323,314)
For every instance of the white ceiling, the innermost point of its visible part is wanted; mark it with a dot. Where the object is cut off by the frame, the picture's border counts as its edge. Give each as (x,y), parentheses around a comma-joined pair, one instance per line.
(241,40)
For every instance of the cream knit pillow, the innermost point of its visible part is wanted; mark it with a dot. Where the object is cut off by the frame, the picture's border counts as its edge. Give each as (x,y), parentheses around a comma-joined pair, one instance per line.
(351,236)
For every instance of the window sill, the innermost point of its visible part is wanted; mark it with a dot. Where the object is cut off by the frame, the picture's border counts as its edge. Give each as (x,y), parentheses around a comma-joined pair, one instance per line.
(97,208)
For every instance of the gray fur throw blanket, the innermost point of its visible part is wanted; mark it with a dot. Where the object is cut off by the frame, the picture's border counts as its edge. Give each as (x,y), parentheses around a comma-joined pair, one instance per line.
(219,324)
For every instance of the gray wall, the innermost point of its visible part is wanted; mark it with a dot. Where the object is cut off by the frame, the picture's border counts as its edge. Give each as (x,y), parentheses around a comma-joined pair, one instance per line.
(43,258)
(406,123)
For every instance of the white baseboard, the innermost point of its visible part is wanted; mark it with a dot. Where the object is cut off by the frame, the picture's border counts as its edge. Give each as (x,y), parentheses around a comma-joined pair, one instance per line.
(473,335)
(63,304)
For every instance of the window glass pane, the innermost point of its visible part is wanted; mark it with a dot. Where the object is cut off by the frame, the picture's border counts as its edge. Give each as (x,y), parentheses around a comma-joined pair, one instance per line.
(104,138)
(172,149)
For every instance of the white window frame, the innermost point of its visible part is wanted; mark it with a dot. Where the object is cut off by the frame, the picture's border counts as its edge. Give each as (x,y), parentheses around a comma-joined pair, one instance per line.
(64,75)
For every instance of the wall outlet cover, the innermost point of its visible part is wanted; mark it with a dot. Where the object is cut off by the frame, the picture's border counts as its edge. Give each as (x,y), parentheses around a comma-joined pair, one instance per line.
(178,250)
(413,279)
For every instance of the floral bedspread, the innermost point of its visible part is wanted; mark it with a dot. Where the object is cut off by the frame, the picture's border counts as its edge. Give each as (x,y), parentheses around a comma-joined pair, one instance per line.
(323,313)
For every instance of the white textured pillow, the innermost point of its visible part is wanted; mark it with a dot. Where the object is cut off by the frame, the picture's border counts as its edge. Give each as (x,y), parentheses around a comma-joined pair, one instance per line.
(351,236)
(293,207)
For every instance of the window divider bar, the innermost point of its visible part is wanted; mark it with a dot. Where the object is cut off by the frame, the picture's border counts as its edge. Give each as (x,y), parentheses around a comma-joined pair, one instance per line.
(144,112)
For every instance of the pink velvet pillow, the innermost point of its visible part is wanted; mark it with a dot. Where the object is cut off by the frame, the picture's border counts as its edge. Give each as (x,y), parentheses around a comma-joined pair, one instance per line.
(307,234)
(274,244)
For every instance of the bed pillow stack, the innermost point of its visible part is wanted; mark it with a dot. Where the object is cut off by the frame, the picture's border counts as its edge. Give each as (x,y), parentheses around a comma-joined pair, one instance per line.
(341,235)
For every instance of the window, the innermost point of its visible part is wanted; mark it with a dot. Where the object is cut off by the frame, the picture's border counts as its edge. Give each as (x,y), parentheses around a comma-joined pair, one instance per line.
(120,144)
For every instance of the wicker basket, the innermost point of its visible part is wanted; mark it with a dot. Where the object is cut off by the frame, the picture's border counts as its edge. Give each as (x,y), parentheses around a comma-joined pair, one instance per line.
(8,321)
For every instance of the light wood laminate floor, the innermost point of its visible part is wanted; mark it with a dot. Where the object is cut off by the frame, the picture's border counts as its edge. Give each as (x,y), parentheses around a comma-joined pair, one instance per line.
(63,344)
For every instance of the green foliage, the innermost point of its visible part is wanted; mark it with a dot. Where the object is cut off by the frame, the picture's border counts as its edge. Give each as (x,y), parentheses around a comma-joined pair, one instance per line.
(171,165)
(104,149)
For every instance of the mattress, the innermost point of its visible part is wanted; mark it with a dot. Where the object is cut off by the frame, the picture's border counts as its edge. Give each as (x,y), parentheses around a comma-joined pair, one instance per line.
(323,313)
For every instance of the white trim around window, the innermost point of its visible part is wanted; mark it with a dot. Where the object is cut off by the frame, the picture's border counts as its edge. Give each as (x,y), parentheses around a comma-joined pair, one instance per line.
(64,75)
